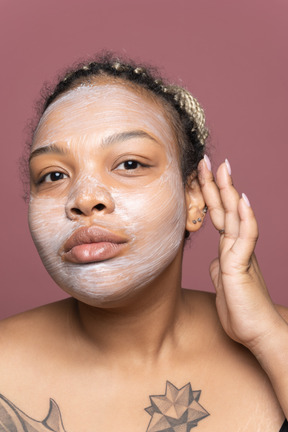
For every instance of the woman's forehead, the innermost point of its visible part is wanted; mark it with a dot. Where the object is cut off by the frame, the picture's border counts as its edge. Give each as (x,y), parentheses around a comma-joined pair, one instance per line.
(100,109)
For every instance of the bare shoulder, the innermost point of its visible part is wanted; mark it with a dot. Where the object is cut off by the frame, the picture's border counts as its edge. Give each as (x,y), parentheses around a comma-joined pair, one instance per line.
(206,301)
(40,314)
(283,311)
(31,328)
(28,343)
(228,366)
(202,303)
(203,297)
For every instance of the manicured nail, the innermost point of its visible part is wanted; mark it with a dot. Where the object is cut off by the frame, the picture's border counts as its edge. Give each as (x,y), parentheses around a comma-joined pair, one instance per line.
(208,163)
(246,200)
(228,166)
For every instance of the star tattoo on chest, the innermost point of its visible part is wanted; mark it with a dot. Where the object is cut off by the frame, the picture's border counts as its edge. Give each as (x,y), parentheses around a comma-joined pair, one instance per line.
(178,410)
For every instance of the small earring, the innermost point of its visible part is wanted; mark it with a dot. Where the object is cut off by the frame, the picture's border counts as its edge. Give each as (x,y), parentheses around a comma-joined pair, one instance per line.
(204,211)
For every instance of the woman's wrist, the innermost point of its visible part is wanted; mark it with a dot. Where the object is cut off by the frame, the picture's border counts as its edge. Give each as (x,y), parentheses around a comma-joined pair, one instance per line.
(271,350)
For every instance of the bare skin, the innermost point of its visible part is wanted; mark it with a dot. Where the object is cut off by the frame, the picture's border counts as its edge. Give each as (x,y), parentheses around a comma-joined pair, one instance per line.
(101,364)
(49,356)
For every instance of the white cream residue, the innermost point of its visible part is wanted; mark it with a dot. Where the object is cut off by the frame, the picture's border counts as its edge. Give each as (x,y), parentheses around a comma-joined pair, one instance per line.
(150,214)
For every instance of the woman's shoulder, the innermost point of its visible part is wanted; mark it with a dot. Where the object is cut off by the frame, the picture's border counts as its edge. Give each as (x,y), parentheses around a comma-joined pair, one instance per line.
(202,314)
(202,298)
(29,340)
(32,325)
(201,304)
(206,299)
(283,311)
(227,364)
(37,312)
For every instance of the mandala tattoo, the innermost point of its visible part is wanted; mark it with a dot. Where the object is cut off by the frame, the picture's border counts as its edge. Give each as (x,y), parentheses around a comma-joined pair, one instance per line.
(177,410)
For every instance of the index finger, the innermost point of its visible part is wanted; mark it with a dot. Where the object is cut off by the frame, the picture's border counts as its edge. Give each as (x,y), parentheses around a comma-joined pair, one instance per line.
(211,193)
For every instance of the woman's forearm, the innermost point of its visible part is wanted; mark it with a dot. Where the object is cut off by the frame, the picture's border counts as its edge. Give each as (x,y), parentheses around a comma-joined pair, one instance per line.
(272,355)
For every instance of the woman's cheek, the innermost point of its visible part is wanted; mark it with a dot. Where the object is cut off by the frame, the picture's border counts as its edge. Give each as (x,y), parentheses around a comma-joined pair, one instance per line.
(48,226)
(155,216)
(153,219)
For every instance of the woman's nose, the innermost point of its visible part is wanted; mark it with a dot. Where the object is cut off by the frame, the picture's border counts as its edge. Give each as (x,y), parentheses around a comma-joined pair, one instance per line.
(89,202)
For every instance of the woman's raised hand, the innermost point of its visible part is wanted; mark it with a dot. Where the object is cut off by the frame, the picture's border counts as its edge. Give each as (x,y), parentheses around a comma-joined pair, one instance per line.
(244,306)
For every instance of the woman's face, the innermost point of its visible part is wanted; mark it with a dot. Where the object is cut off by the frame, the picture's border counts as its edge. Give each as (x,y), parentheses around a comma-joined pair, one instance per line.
(107,209)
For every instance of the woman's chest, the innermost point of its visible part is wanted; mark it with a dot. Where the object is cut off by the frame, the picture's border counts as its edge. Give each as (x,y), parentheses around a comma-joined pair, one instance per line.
(177,404)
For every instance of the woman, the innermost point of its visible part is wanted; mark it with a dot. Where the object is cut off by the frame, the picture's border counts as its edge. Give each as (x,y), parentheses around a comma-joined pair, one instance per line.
(118,181)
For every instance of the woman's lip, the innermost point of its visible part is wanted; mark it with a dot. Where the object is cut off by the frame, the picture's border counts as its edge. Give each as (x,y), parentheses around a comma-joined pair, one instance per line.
(93,252)
(92,234)
(89,244)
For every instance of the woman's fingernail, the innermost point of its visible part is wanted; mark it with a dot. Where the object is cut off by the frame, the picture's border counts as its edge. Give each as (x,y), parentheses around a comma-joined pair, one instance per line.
(228,166)
(208,163)
(246,200)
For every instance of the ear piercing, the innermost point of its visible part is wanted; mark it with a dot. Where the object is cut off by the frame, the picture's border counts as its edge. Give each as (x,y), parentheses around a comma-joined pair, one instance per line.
(204,211)
(200,219)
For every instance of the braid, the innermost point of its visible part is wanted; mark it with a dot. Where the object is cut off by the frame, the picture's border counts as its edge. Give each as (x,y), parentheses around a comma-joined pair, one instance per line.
(190,121)
(192,107)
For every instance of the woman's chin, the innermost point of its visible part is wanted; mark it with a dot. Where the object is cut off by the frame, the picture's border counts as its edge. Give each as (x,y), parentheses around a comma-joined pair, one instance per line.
(104,299)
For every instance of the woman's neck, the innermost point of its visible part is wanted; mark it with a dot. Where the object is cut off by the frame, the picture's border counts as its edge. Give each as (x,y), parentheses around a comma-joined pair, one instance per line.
(144,326)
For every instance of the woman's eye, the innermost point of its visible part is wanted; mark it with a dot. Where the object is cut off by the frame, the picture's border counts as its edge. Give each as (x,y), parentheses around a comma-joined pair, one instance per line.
(130,165)
(53,177)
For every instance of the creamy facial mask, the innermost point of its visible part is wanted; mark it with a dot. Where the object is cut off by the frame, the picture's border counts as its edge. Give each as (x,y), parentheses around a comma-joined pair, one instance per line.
(145,206)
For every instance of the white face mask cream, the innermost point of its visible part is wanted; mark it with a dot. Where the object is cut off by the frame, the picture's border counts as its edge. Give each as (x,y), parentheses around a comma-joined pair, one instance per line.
(107,210)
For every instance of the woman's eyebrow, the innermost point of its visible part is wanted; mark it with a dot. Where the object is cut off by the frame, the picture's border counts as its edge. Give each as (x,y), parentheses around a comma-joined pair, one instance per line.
(110,140)
(124,136)
(50,148)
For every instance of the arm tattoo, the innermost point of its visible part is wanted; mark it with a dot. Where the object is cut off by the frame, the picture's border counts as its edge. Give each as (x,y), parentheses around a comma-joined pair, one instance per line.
(178,410)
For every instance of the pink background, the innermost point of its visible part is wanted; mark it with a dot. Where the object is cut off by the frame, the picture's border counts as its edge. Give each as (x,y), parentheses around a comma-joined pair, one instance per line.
(231,54)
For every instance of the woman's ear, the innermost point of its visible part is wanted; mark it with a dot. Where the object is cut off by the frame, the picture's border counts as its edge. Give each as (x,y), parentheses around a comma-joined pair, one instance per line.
(195,204)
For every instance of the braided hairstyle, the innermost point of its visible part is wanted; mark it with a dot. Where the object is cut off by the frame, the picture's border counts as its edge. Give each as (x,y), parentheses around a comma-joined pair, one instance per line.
(187,115)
